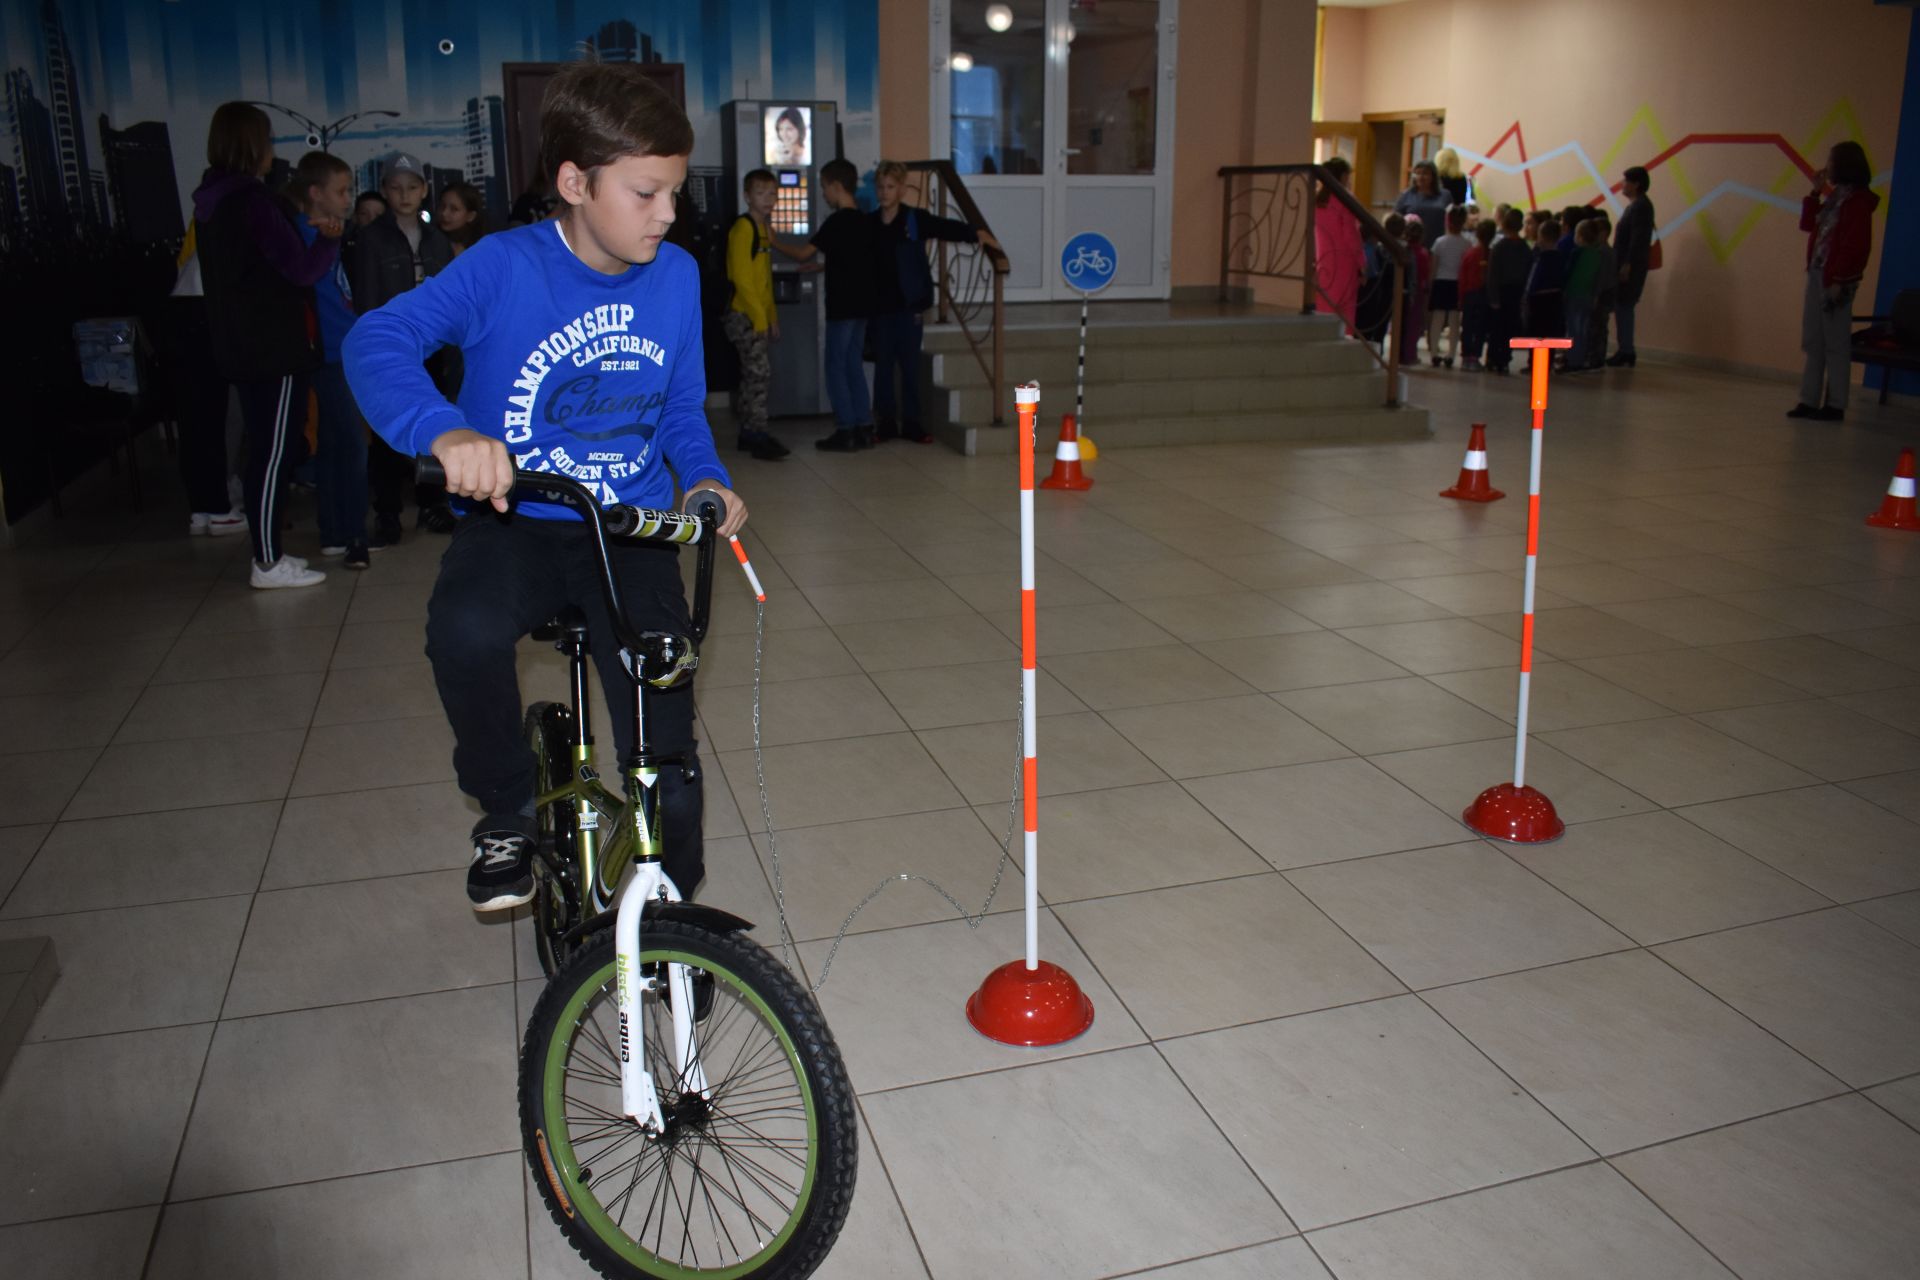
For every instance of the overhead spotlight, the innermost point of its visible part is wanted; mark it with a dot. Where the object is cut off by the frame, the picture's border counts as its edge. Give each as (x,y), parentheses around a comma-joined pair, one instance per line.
(963,62)
(446,47)
(999,17)
(313,140)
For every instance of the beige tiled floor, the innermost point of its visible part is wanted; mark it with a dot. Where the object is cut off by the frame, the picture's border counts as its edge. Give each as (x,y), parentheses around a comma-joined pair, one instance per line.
(1337,1036)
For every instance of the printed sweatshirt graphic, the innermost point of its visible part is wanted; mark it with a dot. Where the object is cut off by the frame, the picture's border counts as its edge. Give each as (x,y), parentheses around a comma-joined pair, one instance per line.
(596,377)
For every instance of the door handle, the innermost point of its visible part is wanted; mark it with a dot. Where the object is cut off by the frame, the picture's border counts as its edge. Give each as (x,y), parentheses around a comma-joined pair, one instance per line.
(1069,151)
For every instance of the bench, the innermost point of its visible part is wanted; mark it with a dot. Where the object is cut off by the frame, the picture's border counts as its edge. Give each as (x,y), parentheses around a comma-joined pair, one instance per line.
(1891,341)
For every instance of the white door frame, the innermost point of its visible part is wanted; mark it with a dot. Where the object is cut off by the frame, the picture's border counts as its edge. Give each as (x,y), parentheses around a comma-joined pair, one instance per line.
(1055,182)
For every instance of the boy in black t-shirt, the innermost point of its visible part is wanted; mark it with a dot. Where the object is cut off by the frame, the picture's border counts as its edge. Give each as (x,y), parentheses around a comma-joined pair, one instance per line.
(847,240)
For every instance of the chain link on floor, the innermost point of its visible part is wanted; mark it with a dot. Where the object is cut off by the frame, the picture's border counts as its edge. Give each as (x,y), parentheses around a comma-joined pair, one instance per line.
(973,919)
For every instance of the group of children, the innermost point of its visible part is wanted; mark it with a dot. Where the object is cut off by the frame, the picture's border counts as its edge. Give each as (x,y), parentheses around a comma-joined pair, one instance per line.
(879,286)
(1518,273)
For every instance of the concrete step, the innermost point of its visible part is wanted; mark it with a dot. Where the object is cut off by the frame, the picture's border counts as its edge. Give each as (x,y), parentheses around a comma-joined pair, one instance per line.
(1051,366)
(1354,425)
(1130,400)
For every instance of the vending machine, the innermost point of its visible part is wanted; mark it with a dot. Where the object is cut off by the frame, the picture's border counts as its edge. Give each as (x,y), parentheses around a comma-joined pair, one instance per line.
(791,140)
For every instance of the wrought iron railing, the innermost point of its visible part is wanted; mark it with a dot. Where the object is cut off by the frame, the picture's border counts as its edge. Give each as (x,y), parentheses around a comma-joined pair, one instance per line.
(1267,230)
(969,279)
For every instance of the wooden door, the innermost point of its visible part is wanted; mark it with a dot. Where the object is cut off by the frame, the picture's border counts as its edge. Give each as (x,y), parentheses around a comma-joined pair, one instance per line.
(524,84)
(1353,141)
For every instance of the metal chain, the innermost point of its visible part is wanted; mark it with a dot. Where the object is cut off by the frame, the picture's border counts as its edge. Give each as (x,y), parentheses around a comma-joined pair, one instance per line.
(973,919)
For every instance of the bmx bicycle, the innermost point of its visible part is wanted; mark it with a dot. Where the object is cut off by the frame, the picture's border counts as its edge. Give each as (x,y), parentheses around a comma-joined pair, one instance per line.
(683,1106)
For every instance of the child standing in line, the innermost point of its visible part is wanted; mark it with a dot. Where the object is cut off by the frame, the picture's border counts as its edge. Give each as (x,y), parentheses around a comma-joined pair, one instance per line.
(1604,289)
(751,322)
(846,238)
(384,259)
(1581,291)
(1419,287)
(906,291)
(1509,262)
(1473,296)
(322,190)
(1443,314)
(1546,285)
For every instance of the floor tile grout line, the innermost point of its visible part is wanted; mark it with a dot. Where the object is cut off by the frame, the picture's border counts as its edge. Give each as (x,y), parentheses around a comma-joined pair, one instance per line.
(893,1189)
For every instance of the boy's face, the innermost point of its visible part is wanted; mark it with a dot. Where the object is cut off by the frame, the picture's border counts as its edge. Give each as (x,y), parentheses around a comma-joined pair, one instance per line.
(629,208)
(334,197)
(890,189)
(403,192)
(835,194)
(760,199)
(367,210)
(453,214)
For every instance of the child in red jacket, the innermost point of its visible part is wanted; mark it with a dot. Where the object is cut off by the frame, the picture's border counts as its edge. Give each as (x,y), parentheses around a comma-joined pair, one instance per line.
(1839,231)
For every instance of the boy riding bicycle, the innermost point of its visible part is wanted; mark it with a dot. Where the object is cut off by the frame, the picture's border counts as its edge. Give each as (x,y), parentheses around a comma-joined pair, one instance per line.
(581,337)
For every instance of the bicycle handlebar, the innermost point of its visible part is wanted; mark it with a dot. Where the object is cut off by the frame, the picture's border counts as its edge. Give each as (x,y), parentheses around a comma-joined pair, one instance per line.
(699,526)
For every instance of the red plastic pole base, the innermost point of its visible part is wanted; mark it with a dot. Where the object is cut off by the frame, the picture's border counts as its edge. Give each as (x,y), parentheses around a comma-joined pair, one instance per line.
(1521,815)
(1031,1007)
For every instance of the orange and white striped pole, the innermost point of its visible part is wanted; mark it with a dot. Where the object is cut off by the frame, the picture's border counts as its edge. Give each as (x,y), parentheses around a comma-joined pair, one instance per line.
(1026,399)
(746,567)
(1029,1002)
(1515,811)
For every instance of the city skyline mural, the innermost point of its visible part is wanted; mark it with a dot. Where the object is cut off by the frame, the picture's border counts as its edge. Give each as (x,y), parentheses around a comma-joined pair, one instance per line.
(107,101)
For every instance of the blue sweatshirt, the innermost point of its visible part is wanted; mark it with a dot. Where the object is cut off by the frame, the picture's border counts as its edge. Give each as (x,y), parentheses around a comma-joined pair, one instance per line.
(597,377)
(329,299)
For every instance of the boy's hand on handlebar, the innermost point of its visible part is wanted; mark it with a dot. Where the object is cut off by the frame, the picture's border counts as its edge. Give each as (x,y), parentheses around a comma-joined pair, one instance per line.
(477,466)
(736,510)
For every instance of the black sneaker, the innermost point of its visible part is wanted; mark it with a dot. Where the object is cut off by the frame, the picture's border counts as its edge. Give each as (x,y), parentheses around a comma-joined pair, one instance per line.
(841,441)
(356,556)
(386,533)
(1803,410)
(914,433)
(438,518)
(863,436)
(501,873)
(762,446)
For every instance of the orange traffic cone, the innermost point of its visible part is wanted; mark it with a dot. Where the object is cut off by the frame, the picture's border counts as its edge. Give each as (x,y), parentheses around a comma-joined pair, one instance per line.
(1066,459)
(1473,485)
(1897,509)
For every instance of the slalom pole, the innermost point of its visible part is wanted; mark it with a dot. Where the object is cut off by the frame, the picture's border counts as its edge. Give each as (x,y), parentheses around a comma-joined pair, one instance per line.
(1514,811)
(1026,1001)
(1080,374)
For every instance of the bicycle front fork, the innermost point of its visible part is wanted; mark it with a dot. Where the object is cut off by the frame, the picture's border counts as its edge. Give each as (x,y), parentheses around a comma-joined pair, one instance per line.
(639,1096)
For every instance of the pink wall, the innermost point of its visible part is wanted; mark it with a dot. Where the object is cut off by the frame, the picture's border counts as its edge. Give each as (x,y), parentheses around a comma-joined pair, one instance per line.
(1624,80)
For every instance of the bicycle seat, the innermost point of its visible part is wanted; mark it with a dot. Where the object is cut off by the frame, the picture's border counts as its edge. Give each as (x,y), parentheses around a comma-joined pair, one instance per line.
(569,622)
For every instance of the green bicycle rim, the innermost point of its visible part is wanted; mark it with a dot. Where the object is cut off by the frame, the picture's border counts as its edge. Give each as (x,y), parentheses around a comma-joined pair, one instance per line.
(553,1102)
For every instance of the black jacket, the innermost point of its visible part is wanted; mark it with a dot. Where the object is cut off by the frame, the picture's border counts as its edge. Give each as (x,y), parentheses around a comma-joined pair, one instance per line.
(380,261)
(904,270)
(257,272)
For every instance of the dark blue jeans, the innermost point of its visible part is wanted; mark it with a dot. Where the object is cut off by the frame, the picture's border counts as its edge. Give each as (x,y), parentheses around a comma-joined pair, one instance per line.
(846,381)
(501,577)
(343,460)
(896,349)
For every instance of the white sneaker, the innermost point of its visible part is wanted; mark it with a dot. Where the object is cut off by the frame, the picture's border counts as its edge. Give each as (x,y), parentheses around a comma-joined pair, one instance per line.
(216,524)
(333,552)
(287,571)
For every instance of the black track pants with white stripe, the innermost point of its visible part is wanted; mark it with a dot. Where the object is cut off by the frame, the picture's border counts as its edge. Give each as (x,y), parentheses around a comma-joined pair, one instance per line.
(275,412)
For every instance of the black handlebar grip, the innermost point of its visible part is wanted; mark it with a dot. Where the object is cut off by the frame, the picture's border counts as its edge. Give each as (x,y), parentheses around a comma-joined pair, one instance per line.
(427,470)
(620,520)
(709,505)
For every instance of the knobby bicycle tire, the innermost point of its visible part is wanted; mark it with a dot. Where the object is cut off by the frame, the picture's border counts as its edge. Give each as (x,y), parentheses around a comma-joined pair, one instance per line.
(570,1122)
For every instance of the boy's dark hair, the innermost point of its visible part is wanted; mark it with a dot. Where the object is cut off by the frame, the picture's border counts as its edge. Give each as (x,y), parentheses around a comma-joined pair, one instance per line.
(239,138)
(1416,231)
(1637,176)
(1396,225)
(1484,231)
(1514,222)
(1456,217)
(1847,163)
(469,196)
(594,113)
(1550,231)
(841,173)
(755,177)
(369,195)
(313,170)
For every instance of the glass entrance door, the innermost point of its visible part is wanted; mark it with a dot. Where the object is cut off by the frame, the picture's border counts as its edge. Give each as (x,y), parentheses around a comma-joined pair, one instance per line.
(1059,115)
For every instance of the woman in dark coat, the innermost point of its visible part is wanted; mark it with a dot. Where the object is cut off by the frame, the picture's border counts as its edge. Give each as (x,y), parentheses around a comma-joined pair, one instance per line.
(1633,249)
(1426,200)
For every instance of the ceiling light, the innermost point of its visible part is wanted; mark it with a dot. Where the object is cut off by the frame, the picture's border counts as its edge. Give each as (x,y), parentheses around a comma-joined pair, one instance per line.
(999,17)
(963,62)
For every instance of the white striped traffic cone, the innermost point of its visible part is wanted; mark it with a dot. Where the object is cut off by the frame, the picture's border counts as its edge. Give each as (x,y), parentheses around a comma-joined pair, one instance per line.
(1066,459)
(1473,484)
(1897,508)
